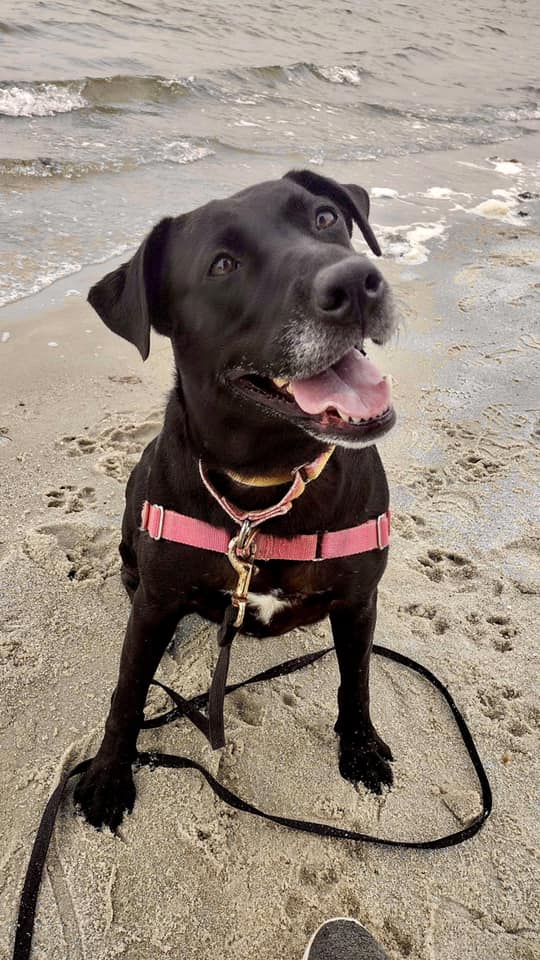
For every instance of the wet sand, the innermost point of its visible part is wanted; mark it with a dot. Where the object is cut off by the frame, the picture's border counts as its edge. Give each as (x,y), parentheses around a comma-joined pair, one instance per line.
(188,876)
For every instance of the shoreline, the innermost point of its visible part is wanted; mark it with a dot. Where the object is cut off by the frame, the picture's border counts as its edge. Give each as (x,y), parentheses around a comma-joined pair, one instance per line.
(459,595)
(424,190)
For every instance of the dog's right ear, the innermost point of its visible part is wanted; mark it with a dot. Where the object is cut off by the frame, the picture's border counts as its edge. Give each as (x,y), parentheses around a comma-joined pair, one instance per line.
(352,199)
(130,299)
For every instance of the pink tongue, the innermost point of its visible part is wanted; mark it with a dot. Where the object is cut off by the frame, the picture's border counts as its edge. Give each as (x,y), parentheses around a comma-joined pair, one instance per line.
(353,385)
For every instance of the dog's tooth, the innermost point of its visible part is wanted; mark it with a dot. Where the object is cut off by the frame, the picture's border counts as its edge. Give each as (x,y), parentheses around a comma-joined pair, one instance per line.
(289,389)
(280,382)
(344,416)
(390,381)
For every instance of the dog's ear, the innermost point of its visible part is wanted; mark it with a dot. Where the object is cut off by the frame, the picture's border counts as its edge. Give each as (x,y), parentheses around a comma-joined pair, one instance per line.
(352,200)
(129,300)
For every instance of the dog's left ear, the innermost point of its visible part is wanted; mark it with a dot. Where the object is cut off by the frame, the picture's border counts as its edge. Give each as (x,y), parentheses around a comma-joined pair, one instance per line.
(130,299)
(352,200)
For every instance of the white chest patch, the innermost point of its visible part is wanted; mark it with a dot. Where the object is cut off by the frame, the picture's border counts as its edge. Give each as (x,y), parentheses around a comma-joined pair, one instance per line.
(265,605)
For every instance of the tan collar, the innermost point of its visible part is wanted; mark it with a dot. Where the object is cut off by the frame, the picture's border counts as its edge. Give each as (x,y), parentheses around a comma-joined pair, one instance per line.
(275,480)
(297,479)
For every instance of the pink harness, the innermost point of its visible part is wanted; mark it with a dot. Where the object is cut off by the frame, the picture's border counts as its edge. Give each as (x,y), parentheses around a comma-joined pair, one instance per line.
(162,524)
(242,550)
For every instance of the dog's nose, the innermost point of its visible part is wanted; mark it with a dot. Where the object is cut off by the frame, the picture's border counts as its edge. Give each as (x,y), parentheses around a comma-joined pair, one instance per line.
(347,291)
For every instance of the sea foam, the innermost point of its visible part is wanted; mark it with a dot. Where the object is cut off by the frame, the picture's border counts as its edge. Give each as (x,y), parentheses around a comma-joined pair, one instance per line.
(41,100)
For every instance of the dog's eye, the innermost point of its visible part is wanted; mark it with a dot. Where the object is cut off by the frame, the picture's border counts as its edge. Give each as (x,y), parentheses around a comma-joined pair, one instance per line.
(325,218)
(222,265)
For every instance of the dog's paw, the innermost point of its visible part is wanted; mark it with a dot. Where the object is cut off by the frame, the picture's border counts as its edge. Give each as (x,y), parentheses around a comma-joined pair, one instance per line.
(364,759)
(354,731)
(105,793)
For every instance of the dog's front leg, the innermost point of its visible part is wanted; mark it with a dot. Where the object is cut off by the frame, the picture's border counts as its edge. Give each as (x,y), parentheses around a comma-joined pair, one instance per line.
(107,789)
(363,755)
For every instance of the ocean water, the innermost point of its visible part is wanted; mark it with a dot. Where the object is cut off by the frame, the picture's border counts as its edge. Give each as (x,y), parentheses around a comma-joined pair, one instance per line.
(116,113)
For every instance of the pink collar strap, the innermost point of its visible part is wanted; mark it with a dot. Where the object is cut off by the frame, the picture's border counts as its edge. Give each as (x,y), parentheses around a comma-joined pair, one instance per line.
(301,477)
(164,524)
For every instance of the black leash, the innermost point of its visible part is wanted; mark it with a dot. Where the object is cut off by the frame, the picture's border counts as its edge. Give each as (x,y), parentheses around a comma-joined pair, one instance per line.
(191,710)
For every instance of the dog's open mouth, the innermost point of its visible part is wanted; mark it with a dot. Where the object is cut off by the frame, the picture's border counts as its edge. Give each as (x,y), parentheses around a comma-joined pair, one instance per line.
(349,400)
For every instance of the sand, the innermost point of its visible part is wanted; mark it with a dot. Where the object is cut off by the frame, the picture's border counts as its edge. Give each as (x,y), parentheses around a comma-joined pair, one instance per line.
(187,876)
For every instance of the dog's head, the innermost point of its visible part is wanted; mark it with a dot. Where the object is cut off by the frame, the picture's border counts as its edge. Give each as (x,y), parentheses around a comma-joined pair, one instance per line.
(268,308)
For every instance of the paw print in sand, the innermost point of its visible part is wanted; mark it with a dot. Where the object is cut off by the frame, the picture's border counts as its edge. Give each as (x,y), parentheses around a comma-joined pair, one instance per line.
(446,565)
(72,499)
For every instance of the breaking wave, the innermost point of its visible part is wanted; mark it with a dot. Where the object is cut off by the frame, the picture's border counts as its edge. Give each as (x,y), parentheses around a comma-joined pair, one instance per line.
(41,99)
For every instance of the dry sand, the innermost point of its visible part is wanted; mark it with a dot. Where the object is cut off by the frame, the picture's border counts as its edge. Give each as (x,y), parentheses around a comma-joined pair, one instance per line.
(187,876)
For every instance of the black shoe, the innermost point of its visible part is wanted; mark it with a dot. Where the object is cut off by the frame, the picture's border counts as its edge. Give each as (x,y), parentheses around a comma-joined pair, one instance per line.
(343,939)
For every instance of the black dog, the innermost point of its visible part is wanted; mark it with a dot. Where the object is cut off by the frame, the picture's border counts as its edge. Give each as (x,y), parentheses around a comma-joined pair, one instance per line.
(267,307)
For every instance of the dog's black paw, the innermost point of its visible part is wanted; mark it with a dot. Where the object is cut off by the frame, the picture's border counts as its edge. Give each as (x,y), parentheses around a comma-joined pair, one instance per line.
(105,793)
(363,758)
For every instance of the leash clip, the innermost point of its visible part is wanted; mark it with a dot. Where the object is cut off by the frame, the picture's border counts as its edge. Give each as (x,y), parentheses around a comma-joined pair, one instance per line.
(241,553)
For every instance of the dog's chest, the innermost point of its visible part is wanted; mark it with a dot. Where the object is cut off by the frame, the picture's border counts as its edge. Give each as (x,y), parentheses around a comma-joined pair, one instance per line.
(264,606)
(276,604)
(274,612)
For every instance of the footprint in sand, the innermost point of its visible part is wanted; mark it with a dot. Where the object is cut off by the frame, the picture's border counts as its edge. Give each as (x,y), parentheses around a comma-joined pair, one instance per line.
(72,499)
(424,618)
(503,632)
(504,703)
(405,941)
(227,771)
(497,629)
(424,610)
(477,451)
(440,565)
(289,699)
(409,526)
(474,467)
(467,304)
(499,702)
(249,706)
(78,551)
(118,440)
(77,446)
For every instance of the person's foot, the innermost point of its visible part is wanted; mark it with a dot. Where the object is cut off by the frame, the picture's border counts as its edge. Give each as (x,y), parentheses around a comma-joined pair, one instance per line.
(343,939)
